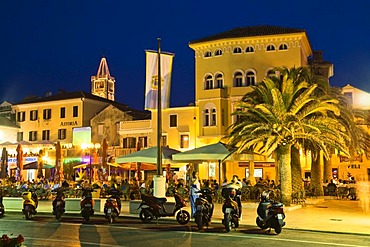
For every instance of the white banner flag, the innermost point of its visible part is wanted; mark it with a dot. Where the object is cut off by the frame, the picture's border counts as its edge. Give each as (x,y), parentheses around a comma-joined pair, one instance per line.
(151,89)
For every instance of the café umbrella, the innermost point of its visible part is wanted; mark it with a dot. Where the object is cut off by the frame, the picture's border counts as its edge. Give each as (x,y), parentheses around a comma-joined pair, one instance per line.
(148,155)
(212,152)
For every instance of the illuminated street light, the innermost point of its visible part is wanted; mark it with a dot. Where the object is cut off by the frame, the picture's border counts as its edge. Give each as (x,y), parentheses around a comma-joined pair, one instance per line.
(90,147)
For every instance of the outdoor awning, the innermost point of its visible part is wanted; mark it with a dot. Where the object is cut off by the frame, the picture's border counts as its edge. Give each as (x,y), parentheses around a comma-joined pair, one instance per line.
(34,165)
(212,152)
(148,155)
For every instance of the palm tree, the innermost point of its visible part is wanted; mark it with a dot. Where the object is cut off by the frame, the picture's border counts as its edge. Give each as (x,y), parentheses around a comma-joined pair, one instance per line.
(278,112)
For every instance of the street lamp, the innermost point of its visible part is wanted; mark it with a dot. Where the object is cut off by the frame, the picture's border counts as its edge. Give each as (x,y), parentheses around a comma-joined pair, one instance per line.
(90,147)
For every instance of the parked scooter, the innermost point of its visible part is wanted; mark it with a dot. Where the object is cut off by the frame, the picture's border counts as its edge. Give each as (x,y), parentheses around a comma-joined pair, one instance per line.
(153,207)
(30,203)
(2,210)
(231,207)
(204,208)
(270,214)
(112,206)
(59,203)
(87,204)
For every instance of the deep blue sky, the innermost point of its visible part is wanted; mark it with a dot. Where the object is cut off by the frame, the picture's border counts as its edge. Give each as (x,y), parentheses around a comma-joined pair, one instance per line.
(57,44)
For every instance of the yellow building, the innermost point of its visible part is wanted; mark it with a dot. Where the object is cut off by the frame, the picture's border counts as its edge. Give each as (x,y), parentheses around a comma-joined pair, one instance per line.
(226,65)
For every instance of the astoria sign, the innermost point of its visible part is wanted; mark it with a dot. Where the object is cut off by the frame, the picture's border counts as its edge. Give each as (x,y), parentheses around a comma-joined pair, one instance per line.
(71,123)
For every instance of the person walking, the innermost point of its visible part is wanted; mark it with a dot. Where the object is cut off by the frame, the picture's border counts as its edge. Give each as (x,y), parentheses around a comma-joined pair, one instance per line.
(194,189)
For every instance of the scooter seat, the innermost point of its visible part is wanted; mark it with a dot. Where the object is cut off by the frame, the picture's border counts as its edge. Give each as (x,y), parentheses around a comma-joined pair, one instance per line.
(277,205)
(160,200)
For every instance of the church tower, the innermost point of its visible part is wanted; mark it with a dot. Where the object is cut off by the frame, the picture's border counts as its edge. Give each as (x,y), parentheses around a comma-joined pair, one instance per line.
(102,84)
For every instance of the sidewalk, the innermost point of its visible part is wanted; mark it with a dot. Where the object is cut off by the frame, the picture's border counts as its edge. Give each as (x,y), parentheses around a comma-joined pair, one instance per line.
(324,215)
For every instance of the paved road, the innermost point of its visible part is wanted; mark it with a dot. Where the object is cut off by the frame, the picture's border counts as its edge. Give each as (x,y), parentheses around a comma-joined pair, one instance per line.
(44,230)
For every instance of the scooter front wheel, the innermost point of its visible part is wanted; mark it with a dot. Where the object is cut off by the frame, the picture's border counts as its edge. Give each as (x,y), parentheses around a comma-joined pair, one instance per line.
(227,222)
(183,217)
(199,220)
(58,214)
(27,214)
(260,224)
(146,215)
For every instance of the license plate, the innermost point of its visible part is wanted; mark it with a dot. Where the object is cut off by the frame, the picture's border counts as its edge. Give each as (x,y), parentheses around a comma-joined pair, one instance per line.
(59,203)
(87,205)
(228,210)
(199,207)
(280,216)
(109,210)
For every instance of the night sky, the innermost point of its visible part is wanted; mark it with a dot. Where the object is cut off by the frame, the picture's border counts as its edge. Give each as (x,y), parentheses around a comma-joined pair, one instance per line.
(54,45)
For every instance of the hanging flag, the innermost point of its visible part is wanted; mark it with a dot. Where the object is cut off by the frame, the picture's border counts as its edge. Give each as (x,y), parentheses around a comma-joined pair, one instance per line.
(151,82)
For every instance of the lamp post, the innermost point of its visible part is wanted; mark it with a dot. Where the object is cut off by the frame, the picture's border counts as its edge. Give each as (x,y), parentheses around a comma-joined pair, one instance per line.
(90,147)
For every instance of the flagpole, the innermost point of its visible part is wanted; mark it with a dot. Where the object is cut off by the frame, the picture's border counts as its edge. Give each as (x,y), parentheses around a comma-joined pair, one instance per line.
(159,112)
(159,180)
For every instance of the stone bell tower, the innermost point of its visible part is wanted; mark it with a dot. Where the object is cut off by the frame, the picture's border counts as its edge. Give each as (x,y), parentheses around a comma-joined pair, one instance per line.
(102,84)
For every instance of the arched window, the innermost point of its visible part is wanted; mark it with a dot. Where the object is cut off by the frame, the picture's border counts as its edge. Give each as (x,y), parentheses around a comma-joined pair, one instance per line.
(218,52)
(238,79)
(219,81)
(208,54)
(270,73)
(237,50)
(249,49)
(208,82)
(283,47)
(250,78)
(206,121)
(270,48)
(213,117)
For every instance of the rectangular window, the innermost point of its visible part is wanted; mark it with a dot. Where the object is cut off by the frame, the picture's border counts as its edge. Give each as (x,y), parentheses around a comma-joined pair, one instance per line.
(19,136)
(75,111)
(184,141)
(129,142)
(173,120)
(21,116)
(100,129)
(47,114)
(62,134)
(143,142)
(62,112)
(46,135)
(33,115)
(32,136)
(164,141)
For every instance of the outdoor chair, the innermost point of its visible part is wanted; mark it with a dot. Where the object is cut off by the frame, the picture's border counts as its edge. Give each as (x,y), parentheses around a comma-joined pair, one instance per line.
(332,190)
(352,193)
(342,192)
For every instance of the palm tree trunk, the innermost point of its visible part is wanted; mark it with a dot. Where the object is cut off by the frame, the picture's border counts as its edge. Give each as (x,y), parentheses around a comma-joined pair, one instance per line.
(251,177)
(297,184)
(328,173)
(284,158)
(316,176)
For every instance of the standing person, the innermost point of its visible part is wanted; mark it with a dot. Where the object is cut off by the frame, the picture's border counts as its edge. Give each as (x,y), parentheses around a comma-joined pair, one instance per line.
(194,188)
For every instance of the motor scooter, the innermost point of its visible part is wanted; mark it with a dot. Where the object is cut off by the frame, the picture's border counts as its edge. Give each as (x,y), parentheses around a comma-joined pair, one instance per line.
(270,214)
(204,208)
(112,206)
(153,207)
(87,204)
(59,203)
(30,203)
(2,210)
(231,207)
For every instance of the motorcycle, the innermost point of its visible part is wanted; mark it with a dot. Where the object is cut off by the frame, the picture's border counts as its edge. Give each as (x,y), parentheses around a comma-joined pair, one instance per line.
(87,204)
(112,206)
(30,203)
(231,207)
(59,203)
(153,207)
(204,208)
(270,214)
(2,210)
